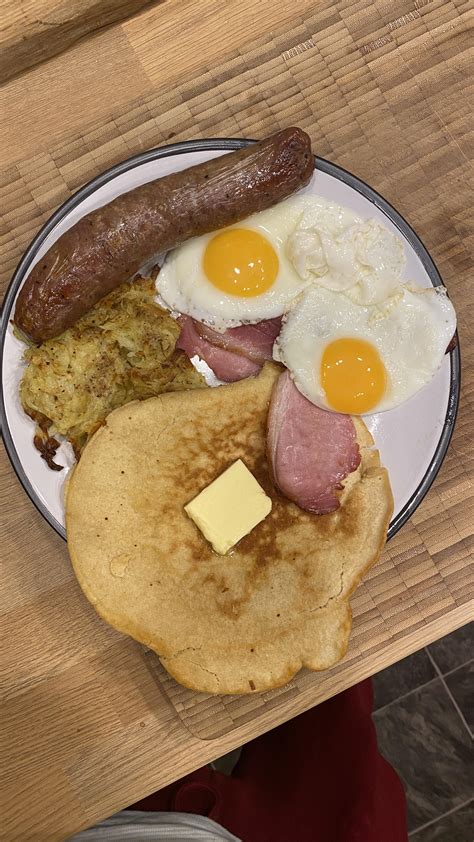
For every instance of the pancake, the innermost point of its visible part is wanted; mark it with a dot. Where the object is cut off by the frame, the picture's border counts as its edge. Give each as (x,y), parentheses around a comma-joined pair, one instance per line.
(220,624)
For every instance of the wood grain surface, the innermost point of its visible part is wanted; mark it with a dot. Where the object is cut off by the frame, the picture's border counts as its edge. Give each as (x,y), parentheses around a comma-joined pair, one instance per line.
(32,31)
(90,722)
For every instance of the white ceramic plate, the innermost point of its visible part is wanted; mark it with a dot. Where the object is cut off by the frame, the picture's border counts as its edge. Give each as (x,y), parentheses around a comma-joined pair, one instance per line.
(412,439)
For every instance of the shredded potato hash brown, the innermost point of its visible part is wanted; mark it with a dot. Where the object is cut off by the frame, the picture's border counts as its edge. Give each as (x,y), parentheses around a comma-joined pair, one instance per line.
(122,350)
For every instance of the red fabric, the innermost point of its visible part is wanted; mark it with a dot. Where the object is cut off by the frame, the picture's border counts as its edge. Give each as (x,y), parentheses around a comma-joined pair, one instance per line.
(318,778)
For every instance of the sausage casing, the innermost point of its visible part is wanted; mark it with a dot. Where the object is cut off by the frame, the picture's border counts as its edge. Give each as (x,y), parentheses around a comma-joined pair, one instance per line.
(109,245)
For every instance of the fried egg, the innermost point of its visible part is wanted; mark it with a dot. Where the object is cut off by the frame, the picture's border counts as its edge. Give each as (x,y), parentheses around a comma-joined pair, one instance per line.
(336,249)
(239,274)
(359,359)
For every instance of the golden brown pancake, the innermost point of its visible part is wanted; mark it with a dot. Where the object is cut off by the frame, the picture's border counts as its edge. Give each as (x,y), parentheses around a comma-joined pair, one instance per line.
(220,624)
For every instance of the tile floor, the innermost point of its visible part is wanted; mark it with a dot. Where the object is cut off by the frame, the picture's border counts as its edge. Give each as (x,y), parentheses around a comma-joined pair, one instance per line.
(424,715)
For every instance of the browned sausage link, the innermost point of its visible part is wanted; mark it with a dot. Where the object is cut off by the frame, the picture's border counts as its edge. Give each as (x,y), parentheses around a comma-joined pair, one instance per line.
(108,246)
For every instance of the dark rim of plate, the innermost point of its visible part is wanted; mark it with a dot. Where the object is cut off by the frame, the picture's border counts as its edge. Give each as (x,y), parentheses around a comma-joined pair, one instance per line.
(227,145)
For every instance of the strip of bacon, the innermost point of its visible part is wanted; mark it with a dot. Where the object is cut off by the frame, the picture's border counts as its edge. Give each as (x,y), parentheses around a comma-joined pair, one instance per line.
(252,341)
(310,451)
(226,365)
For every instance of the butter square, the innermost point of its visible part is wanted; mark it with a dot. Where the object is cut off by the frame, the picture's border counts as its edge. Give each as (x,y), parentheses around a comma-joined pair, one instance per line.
(230,507)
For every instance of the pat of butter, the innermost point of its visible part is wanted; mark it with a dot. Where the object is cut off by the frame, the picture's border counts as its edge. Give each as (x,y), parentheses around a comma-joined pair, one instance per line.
(230,507)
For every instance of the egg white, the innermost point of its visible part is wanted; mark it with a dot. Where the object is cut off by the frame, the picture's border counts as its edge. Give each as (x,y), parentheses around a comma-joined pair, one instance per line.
(411,334)
(333,247)
(183,286)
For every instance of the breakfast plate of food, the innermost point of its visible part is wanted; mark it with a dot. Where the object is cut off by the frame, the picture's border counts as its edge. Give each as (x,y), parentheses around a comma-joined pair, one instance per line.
(230,372)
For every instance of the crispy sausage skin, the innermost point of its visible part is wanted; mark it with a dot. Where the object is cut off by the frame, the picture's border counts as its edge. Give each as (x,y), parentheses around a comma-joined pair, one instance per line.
(108,246)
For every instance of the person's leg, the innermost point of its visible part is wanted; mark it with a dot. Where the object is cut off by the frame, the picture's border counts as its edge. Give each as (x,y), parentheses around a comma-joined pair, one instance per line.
(318,778)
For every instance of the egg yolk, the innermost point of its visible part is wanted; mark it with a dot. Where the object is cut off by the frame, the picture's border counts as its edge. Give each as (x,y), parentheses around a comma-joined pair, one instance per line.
(353,376)
(240,262)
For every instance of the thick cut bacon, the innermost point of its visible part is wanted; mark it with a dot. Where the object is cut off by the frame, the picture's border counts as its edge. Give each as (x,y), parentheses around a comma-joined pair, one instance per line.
(252,341)
(310,451)
(225,365)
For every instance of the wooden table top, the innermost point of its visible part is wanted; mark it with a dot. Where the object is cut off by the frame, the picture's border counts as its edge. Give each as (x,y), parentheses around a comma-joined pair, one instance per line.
(90,722)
